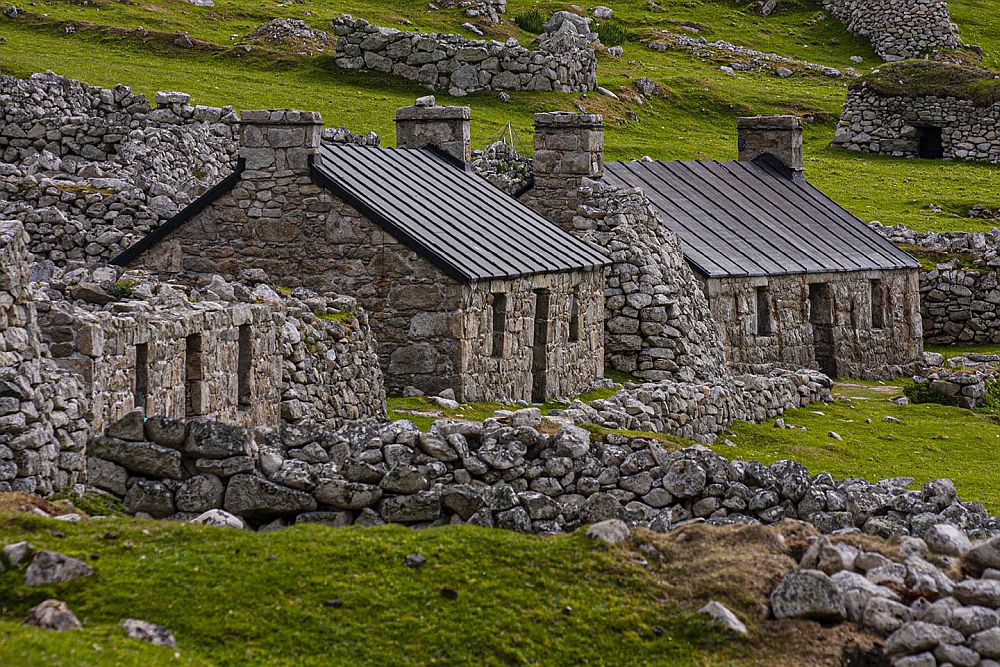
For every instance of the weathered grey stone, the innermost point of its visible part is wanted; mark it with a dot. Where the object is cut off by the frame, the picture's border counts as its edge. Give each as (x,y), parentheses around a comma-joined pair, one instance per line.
(214,440)
(219,518)
(807,594)
(916,636)
(129,427)
(342,494)
(149,497)
(982,592)
(252,496)
(944,538)
(50,567)
(148,632)
(422,506)
(52,615)
(986,643)
(144,458)
(199,494)
(724,617)
(611,531)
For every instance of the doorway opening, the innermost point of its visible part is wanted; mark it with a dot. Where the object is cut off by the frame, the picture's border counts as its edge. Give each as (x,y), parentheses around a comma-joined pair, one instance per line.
(821,318)
(930,143)
(540,348)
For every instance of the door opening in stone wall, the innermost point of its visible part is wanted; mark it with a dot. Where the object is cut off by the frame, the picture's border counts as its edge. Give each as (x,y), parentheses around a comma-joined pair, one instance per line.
(821,318)
(243,364)
(141,390)
(539,351)
(930,143)
(193,378)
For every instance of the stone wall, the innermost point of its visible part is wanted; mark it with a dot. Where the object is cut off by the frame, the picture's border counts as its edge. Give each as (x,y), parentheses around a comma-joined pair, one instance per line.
(238,353)
(864,345)
(42,429)
(562,62)
(959,304)
(703,410)
(90,170)
(873,123)
(900,28)
(514,471)
(962,380)
(657,322)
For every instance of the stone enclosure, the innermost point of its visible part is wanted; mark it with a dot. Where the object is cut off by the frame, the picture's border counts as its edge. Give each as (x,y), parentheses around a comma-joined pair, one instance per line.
(899,28)
(561,62)
(924,126)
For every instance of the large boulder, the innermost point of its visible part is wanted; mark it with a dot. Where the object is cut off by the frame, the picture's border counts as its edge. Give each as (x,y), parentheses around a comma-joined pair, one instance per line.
(807,594)
(419,507)
(214,440)
(985,554)
(52,615)
(345,495)
(199,494)
(252,496)
(981,592)
(50,567)
(944,538)
(916,636)
(148,632)
(149,497)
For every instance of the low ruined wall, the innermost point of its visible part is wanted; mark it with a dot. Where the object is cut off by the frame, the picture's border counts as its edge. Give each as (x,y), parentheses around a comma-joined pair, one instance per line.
(518,473)
(562,62)
(42,431)
(900,28)
(872,123)
(90,170)
(702,410)
(957,304)
(861,349)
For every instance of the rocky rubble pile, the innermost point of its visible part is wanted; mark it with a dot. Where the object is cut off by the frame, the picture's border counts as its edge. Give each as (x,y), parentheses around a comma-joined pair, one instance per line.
(964,379)
(90,170)
(290,33)
(562,62)
(983,248)
(740,58)
(510,471)
(937,599)
(503,166)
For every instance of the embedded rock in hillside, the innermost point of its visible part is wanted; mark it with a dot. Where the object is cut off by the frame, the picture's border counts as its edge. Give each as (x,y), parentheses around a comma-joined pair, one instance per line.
(724,617)
(148,632)
(52,615)
(219,518)
(807,594)
(49,567)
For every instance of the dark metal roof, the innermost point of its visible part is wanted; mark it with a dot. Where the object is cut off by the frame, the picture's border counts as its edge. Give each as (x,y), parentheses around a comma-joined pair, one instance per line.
(456,219)
(756,219)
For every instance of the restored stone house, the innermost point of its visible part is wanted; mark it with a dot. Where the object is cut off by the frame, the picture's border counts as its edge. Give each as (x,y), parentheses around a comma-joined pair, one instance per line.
(467,288)
(793,280)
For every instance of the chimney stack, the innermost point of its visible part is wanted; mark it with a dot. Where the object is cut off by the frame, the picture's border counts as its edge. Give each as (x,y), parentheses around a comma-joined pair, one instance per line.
(278,140)
(778,136)
(445,127)
(569,148)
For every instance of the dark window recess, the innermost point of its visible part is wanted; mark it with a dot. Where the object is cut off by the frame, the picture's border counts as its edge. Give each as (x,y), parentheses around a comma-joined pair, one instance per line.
(499,323)
(877,303)
(763,311)
(193,385)
(243,365)
(141,374)
(540,348)
(574,316)
(930,143)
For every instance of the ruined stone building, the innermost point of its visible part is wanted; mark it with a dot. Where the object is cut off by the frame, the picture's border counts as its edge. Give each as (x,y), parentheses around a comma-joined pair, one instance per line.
(792,279)
(467,288)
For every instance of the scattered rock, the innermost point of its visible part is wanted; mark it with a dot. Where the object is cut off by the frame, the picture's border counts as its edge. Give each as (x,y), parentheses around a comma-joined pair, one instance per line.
(148,632)
(53,615)
(49,567)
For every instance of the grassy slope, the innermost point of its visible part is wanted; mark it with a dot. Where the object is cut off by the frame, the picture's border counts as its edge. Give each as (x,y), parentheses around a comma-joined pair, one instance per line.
(932,441)
(243,598)
(695,121)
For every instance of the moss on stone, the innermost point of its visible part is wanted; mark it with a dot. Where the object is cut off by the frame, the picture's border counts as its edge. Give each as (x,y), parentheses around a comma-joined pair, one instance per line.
(918,78)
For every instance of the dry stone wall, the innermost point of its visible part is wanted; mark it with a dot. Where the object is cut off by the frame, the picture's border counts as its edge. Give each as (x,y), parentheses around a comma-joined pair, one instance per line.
(562,62)
(959,304)
(873,123)
(43,434)
(901,28)
(513,471)
(90,170)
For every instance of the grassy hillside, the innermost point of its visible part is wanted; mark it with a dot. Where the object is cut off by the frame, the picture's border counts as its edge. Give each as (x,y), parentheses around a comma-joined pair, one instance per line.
(695,120)
(242,598)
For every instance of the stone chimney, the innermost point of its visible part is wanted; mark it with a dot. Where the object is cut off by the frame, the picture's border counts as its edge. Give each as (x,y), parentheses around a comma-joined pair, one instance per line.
(278,140)
(778,136)
(445,127)
(569,149)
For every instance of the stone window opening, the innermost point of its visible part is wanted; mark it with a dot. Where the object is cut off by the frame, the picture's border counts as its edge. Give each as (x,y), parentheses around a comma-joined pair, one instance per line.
(877,299)
(499,307)
(930,143)
(762,310)
(193,385)
(574,316)
(243,365)
(141,374)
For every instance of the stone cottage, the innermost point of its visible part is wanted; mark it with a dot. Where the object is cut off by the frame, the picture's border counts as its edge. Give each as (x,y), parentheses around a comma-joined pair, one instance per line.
(793,280)
(467,288)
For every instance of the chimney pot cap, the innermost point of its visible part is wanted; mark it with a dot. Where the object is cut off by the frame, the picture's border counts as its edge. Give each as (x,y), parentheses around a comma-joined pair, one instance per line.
(769,122)
(568,119)
(418,112)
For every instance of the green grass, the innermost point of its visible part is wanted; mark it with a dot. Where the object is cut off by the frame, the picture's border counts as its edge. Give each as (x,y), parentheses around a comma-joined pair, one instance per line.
(932,441)
(950,351)
(695,121)
(242,598)
(914,78)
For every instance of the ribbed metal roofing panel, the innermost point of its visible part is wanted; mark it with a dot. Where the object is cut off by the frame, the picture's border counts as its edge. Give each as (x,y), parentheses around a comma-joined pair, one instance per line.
(458,220)
(755,219)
